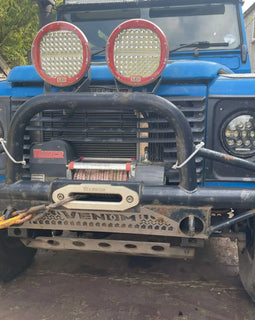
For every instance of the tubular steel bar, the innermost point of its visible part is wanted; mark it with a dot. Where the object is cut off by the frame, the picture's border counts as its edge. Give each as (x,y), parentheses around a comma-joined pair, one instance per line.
(226,158)
(99,101)
(230,222)
(219,197)
(25,190)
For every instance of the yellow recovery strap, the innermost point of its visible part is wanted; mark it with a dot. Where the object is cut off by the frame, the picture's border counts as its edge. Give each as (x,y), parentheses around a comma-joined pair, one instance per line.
(21,216)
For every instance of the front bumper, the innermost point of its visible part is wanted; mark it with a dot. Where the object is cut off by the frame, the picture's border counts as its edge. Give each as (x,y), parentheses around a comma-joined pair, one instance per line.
(157,210)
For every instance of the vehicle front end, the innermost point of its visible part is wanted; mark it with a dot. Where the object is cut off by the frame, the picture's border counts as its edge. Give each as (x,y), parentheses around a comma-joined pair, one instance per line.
(109,145)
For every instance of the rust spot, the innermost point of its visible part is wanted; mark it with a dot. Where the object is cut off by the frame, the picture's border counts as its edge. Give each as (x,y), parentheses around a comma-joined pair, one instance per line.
(228,157)
(164,210)
(160,220)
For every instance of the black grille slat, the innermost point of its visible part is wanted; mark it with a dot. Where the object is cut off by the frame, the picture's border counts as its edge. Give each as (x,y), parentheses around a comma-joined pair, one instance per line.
(99,130)
(110,121)
(113,140)
(77,121)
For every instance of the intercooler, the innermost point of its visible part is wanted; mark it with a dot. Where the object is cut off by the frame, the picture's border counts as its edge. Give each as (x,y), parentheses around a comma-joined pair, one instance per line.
(146,138)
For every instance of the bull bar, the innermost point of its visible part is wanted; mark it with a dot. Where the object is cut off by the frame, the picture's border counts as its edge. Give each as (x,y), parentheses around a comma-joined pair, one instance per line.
(187,193)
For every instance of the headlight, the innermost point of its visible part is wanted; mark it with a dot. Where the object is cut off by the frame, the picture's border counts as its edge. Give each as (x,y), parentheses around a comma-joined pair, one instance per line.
(137,52)
(238,135)
(61,54)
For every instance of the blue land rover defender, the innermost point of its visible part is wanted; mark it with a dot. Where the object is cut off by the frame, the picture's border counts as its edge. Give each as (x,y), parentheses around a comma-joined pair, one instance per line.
(132,132)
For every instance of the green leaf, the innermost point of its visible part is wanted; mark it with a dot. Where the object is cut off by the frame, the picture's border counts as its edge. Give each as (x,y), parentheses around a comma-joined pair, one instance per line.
(18,26)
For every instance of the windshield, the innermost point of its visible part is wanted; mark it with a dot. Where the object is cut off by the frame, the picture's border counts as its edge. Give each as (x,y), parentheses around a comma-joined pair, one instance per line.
(182,24)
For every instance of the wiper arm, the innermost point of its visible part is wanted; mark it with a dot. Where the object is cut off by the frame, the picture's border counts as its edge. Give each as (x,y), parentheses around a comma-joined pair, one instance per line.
(201,45)
(98,52)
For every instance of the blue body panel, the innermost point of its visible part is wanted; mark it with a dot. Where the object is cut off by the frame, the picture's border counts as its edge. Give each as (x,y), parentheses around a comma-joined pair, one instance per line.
(192,70)
(175,70)
(191,73)
(24,74)
(184,90)
(233,86)
(5,88)
(230,184)
(183,70)
(178,70)
(230,60)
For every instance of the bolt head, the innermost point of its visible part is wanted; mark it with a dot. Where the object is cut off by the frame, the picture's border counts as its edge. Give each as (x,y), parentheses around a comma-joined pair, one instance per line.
(130,199)
(60,196)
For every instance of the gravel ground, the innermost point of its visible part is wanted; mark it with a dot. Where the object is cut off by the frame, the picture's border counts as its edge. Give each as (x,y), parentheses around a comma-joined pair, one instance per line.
(72,285)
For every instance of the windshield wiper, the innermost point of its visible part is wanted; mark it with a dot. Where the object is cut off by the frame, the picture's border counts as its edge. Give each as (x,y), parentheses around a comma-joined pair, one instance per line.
(200,45)
(98,52)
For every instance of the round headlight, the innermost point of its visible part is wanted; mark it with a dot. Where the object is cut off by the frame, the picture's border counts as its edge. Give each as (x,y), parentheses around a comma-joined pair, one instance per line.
(137,52)
(238,135)
(61,54)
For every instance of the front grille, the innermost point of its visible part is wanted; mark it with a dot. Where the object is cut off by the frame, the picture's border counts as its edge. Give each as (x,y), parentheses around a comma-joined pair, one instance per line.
(108,134)
(91,134)
(194,111)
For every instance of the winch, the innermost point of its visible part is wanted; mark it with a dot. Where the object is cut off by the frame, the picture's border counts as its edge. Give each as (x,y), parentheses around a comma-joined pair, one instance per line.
(56,159)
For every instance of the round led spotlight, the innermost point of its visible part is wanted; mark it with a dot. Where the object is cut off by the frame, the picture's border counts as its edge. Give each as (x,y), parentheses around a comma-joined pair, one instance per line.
(137,52)
(61,53)
(238,135)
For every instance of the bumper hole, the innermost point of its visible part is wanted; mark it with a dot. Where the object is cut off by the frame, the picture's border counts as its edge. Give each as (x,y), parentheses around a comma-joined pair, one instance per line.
(157,248)
(130,246)
(104,245)
(17,232)
(53,242)
(78,244)
(197,225)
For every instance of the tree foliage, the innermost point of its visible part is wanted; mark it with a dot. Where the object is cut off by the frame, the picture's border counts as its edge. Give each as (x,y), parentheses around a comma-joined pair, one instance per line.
(18,26)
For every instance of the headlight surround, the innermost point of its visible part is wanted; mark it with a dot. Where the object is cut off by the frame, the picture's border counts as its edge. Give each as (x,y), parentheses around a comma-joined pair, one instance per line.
(61,53)
(137,52)
(238,135)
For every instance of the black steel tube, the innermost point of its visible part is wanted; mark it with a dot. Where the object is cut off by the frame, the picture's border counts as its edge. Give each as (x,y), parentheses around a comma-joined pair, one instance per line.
(162,195)
(226,158)
(206,196)
(230,222)
(98,101)
(25,190)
